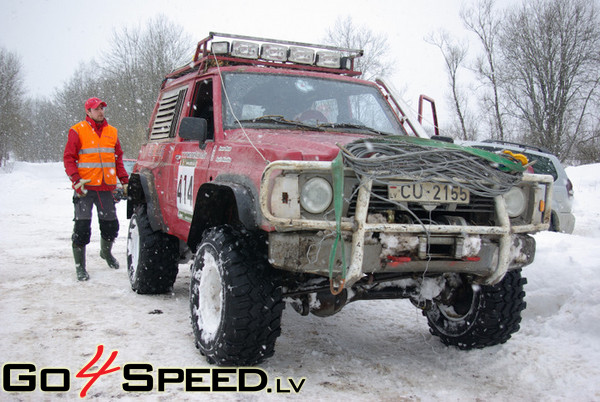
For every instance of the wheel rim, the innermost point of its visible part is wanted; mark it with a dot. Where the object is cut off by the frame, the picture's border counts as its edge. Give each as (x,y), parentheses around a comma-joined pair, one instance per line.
(210,297)
(463,308)
(133,245)
(451,314)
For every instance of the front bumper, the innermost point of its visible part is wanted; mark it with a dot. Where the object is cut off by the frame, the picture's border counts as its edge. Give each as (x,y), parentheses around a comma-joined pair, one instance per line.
(302,244)
(309,253)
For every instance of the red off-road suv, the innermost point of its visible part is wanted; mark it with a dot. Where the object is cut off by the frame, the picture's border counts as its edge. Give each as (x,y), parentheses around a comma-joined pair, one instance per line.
(287,179)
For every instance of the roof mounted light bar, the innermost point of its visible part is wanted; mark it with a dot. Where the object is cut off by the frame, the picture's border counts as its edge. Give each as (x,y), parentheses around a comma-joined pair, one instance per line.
(276,51)
(240,49)
(354,52)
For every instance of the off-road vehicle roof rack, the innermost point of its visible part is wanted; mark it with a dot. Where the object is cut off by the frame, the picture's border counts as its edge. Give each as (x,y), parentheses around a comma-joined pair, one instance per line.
(250,50)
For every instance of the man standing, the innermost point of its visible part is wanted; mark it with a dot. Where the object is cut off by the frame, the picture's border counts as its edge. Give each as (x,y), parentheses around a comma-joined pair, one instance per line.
(93,161)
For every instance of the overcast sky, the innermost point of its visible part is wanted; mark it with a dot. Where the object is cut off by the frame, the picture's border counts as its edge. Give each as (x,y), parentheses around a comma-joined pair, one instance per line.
(53,37)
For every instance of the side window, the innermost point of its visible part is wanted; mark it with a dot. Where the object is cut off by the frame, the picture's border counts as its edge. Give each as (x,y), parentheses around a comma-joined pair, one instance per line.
(203,105)
(169,108)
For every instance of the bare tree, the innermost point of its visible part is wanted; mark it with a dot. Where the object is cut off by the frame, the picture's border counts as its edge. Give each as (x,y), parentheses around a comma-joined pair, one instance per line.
(43,137)
(128,79)
(454,54)
(376,61)
(11,102)
(67,105)
(86,81)
(550,64)
(484,21)
(588,150)
(133,70)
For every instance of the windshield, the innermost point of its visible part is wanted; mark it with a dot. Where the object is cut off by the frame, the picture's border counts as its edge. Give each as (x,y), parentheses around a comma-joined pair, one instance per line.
(305,103)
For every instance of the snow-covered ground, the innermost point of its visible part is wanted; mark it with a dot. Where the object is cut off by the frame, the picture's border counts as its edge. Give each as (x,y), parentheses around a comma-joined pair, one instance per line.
(379,350)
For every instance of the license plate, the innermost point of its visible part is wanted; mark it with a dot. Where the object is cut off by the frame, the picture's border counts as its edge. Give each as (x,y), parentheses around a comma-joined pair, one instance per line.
(428,193)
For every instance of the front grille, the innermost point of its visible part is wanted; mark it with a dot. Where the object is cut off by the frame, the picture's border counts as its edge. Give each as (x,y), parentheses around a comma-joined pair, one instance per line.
(480,210)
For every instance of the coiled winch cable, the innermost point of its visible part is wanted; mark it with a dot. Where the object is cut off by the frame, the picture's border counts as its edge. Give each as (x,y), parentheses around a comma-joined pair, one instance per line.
(421,160)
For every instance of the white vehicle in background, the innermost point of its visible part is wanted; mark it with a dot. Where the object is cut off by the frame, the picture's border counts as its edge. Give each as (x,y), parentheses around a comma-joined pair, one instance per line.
(562,219)
(129,164)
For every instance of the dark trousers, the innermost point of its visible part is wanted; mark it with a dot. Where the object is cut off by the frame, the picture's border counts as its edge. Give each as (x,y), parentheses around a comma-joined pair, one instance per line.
(107,216)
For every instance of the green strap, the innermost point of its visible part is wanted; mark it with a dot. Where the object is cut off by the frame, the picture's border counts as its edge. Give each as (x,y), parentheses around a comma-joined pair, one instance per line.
(337,171)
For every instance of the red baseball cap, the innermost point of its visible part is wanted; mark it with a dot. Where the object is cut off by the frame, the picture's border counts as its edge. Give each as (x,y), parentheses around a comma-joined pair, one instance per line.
(93,103)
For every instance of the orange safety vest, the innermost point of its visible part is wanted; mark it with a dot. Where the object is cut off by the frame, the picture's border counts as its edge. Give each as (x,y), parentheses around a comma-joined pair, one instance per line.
(97,154)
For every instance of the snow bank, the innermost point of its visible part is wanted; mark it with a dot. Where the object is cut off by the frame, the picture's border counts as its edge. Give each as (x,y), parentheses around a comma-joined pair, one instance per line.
(376,350)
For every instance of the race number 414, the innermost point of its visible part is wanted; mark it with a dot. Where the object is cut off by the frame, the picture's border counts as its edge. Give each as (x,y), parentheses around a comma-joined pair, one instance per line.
(185,188)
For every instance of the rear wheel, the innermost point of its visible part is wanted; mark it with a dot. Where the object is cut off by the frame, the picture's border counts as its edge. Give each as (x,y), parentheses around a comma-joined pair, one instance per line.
(235,301)
(152,256)
(480,316)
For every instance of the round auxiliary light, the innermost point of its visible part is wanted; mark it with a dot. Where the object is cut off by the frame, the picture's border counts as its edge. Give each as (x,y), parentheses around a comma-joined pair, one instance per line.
(516,201)
(316,195)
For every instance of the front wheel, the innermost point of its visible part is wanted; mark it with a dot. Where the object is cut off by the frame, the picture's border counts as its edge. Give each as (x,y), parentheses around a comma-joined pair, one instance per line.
(152,256)
(235,301)
(480,316)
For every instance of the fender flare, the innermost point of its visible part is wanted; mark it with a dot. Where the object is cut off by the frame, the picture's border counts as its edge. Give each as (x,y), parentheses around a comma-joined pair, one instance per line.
(223,202)
(141,190)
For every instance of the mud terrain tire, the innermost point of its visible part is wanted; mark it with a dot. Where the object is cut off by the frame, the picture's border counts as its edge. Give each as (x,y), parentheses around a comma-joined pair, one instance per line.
(235,301)
(152,257)
(482,315)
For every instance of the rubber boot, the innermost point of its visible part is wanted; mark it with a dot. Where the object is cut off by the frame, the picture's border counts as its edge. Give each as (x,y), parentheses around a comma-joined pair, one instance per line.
(79,256)
(105,253)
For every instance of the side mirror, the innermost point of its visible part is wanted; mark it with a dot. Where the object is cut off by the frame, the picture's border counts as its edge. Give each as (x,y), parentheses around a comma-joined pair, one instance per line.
(193,128)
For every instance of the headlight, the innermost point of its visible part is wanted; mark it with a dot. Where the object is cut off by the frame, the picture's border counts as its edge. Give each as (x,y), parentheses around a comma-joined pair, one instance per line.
(516,201)
(316,195)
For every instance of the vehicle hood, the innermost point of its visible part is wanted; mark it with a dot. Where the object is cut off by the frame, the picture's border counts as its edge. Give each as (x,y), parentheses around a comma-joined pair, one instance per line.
(295,144)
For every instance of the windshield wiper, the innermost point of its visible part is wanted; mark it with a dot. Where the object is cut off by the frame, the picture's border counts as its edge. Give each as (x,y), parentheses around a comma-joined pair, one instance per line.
(352,125)
(280,120)
(277,119)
